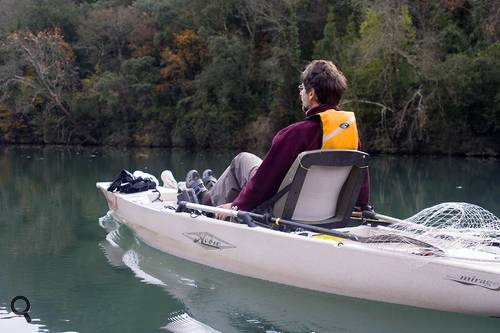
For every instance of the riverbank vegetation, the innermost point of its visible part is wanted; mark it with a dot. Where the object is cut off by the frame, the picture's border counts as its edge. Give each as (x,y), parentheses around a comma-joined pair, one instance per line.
(424,76)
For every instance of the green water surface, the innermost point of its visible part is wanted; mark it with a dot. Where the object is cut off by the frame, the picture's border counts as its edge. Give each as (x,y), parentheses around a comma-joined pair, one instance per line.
(80,277)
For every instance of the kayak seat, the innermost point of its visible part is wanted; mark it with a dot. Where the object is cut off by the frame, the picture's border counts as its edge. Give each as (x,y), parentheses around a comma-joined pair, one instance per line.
(321,187)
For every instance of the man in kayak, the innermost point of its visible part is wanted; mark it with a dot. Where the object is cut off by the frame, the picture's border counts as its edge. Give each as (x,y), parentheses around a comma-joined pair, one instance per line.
(249,181)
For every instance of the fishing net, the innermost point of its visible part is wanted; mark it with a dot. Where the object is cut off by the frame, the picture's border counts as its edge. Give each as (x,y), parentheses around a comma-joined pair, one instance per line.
(451,229)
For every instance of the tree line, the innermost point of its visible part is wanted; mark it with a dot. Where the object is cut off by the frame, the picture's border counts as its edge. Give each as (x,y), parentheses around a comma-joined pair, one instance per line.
(423,75)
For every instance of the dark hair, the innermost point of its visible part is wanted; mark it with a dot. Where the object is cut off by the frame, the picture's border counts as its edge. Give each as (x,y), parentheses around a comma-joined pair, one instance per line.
(328,82)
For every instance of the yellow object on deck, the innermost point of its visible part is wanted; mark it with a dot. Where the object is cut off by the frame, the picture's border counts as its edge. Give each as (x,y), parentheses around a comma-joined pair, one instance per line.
(329,237)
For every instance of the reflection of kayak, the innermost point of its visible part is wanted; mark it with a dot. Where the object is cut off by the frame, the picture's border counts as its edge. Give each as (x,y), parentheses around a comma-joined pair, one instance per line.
(329,264)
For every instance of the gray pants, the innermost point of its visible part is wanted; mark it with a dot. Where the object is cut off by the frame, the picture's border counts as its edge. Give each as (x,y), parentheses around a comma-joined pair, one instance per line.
(232,180)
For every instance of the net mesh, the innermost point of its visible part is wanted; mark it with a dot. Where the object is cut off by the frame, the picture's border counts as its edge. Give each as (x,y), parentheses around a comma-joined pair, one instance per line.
(452,229)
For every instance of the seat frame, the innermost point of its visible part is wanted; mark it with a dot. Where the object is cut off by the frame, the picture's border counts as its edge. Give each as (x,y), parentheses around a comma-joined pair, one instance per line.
(348,194)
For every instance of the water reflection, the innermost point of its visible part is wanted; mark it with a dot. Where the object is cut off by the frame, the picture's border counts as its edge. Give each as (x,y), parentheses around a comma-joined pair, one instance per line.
(45,191)
(402,186)
(231,303)
(184,323)
(30,202)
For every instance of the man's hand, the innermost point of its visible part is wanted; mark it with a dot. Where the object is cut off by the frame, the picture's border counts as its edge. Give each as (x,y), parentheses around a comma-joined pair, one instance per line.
(221,216)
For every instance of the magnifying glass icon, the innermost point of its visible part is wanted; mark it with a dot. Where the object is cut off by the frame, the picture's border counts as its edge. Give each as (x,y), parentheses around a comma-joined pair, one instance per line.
(21,312)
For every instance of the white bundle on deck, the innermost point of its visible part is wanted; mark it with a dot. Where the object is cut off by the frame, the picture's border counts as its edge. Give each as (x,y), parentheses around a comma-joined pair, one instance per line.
(452,229)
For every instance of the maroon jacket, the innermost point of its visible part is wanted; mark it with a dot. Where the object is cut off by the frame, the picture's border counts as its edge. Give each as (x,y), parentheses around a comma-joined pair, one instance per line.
(287,144)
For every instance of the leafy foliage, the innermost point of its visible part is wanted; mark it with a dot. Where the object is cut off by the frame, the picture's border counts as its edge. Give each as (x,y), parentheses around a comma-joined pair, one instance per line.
(423,75)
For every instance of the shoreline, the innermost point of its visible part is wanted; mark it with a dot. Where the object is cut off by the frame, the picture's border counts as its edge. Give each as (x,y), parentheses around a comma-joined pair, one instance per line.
(236,149)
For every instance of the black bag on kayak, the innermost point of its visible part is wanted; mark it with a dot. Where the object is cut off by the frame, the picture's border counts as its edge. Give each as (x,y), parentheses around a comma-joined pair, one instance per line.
(137,185)
(125,182)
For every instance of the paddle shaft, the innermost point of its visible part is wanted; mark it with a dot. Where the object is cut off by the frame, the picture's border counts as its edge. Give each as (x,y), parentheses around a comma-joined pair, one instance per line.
(372,216)
(244,215)
(391,220)
(384,219)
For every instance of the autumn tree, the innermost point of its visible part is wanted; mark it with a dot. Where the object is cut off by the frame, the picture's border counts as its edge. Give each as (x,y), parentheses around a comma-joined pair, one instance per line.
(43,79)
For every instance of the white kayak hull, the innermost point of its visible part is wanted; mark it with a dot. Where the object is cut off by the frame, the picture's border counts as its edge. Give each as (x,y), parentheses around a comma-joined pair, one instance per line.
(346,268)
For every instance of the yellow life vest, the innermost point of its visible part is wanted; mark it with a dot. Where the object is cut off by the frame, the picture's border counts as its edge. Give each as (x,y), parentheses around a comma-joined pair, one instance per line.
(339,130)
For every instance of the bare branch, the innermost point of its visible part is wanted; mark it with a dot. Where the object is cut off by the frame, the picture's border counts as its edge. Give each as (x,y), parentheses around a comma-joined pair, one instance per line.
(364,101)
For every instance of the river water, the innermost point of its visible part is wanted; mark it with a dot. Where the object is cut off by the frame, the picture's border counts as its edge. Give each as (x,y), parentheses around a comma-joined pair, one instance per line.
(81,277)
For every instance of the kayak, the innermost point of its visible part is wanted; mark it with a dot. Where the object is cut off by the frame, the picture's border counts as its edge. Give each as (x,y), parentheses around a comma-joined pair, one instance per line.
(327,263)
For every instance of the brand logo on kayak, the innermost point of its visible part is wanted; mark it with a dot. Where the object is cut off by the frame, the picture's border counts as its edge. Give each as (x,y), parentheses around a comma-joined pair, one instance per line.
(472,280)
(208,241)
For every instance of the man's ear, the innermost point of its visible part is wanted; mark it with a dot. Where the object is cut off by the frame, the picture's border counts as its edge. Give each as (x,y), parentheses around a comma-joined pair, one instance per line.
(312,95)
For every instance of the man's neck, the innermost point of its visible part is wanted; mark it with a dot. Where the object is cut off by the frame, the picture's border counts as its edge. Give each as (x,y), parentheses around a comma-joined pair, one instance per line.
(319,108)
